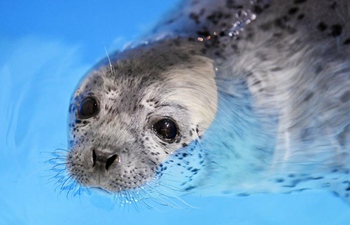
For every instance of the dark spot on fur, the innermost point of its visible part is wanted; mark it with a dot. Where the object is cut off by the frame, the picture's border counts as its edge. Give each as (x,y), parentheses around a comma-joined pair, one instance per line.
(293,10)
(279,180)
(277,34)
(257,9)
(336,30)
(257,82)
(250,35)
(306,134)
(232,5)
(345,97)
(321,26)
(301,16)
(293,184)
(189,188)
(308,96)
(266,6)
(276,69)
(343,136)
(333,5)
(242,195)
(316,178)
(170,21)
(265,26)
(299,1)
(347,41)
(194,17)
(318,69)
(284,23)
(194,170)
(234,47)
(191,39)
(215,17)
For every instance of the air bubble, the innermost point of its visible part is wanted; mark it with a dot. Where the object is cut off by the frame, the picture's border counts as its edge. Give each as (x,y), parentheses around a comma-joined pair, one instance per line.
(245,17)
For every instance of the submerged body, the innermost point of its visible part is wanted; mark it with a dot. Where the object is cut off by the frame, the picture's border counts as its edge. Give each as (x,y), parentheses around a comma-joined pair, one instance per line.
(227,96)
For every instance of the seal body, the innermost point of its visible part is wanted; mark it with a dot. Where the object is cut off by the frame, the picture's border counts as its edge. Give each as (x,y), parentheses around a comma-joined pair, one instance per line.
(226,96)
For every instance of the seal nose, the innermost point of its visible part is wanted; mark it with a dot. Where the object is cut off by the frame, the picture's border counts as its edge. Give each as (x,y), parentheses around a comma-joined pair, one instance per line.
(103,159)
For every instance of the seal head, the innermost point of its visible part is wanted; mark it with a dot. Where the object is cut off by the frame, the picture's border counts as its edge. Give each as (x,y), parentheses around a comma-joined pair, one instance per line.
(130,113)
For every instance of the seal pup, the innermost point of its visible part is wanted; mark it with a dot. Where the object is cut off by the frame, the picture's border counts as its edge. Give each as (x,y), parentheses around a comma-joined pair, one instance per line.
(233,97)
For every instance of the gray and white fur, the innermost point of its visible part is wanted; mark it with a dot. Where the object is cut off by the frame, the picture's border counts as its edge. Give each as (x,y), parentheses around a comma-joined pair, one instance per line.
(259,92)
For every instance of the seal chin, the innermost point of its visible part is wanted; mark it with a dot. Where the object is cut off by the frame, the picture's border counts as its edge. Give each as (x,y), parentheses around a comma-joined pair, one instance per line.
(100,180)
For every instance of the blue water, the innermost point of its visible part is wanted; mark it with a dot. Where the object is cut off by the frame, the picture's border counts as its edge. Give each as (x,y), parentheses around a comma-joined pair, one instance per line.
(45,49)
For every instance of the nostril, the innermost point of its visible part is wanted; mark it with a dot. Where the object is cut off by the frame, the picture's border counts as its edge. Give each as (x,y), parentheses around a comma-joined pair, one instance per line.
(111,160)
(101,159)
(93,158)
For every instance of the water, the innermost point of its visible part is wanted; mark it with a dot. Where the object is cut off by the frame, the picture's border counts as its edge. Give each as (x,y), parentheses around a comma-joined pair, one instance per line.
(46,47)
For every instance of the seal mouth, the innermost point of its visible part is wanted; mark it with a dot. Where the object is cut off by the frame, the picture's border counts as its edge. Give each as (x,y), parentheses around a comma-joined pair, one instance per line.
(100,190)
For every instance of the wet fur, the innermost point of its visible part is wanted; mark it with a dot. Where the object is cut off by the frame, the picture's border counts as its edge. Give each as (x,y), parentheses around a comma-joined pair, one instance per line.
(282,106)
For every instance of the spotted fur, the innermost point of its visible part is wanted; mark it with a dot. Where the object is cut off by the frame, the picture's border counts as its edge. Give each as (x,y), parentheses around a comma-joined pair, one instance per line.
(260,92)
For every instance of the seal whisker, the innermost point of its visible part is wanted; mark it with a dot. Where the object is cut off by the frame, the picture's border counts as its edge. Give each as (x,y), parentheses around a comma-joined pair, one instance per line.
(163,196)
(109,61)
(141,196)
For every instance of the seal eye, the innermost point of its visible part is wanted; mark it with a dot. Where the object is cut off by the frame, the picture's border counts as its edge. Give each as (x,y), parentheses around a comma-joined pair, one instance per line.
(165,129)
(88,108)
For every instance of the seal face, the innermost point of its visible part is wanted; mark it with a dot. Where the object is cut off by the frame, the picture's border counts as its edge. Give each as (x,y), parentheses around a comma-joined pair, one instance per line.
(124,120)
(234,97)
